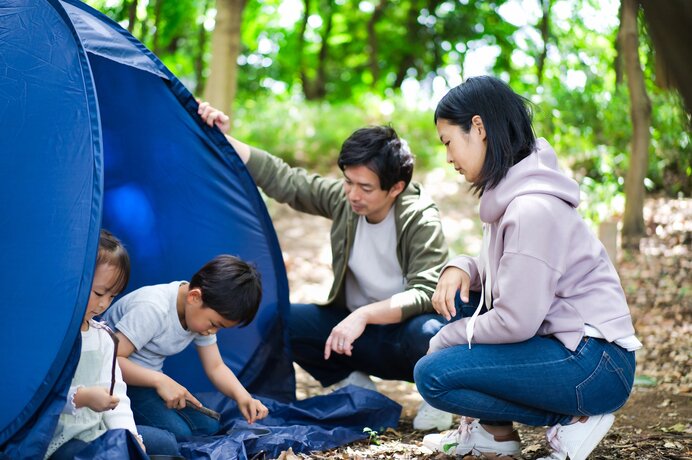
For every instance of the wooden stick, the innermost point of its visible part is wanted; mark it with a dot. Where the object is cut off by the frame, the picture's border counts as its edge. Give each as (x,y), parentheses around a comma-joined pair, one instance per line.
(204,410)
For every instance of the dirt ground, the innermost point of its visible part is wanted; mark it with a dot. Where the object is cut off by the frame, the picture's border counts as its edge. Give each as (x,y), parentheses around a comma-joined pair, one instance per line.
(656,421)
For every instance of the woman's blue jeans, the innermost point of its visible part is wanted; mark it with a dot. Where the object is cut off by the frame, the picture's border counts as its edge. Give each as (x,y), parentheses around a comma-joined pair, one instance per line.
(149,409)
(386,351)
(538,382)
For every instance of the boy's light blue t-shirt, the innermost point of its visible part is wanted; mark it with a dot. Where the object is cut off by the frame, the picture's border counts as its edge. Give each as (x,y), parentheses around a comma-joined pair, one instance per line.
(148,317)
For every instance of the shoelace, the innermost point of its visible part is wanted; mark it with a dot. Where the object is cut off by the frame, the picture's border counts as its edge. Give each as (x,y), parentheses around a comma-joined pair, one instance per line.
(464,430)
(460,436)
(553,439)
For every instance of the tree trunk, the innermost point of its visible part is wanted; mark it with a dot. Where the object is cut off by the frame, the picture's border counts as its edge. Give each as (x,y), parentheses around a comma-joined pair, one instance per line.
(373,42)
(544,26)
(304,78)
(617,64)
(640,112)
(157,27)
(408,60)
(199,57)
(132,15)
(669,24)
(320,86)
(225,48)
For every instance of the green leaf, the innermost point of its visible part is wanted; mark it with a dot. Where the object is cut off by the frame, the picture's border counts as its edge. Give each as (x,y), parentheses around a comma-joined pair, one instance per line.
(645,381)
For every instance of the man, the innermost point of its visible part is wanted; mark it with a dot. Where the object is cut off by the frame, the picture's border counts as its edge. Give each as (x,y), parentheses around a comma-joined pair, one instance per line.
(387,252)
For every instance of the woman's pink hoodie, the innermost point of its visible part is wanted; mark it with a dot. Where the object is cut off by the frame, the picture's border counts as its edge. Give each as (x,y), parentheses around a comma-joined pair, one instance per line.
(550,275)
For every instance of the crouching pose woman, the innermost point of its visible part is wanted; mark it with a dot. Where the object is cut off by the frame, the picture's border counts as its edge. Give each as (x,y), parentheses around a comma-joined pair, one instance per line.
(555,346)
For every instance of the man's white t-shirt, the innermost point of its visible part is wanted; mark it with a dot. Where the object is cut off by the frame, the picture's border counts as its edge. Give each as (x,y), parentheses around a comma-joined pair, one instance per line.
(374,272)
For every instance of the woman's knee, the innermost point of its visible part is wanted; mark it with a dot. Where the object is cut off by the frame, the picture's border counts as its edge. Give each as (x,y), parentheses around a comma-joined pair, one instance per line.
(425,376)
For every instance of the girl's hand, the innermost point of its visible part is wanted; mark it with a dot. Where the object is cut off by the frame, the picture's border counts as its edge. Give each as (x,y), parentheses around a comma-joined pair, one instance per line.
(95,398)
(252,409)
(174,394)
(213,116)
(451,280)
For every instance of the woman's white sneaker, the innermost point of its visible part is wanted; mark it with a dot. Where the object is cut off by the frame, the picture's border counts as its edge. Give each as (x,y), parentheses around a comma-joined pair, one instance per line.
(429,418)
(471,438)
(577,440)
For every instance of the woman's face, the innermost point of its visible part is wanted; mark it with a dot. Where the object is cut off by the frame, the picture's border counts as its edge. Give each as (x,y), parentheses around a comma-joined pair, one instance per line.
(466,151)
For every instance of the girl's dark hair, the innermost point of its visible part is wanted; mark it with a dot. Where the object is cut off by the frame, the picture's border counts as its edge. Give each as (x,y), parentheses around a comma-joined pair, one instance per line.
(231,287)
(379,149)
(506,118)
(112,252)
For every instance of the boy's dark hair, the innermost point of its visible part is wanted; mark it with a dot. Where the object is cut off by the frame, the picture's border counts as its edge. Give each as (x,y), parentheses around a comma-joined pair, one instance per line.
(506,118)
(381,150)
(231,287)
(112,252)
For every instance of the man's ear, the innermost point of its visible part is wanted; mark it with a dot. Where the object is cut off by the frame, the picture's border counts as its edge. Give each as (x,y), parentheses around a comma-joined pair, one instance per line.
(397,188)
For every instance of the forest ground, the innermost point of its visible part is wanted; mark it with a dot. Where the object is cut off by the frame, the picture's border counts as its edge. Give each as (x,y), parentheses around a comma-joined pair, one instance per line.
(656,421)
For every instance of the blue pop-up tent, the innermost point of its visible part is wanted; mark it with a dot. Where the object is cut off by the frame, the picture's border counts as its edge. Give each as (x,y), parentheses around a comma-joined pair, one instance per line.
(95,131)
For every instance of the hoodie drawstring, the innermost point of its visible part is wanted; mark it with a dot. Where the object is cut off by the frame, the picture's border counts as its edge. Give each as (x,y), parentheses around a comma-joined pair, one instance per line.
(486,285)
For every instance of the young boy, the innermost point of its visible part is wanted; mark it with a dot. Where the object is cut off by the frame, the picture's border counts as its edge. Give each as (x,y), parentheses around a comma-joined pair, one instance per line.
(154,322)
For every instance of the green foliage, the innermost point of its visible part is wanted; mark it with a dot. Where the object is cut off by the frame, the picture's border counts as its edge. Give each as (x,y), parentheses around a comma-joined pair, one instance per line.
(579,107)
(373,436)
(310,133)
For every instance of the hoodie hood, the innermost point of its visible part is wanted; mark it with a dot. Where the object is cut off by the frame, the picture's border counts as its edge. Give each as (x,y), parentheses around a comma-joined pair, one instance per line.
(537,173)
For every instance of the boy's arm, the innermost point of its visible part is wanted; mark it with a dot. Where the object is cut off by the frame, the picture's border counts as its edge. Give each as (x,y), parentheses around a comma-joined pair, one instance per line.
(227,383)
(174,394)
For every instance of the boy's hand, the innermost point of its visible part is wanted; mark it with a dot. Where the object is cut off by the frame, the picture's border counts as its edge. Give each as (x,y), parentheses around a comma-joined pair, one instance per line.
(213,116)
(174,394)
(95,398)
(252,409)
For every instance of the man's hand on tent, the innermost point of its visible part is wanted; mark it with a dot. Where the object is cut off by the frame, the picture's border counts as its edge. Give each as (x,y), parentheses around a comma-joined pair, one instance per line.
(97,399)
(214,117)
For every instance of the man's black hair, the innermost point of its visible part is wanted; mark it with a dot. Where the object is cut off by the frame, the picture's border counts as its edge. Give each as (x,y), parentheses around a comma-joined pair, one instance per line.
(380,149)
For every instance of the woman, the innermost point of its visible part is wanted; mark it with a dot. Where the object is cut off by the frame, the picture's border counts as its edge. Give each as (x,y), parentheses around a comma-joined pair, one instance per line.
(556,344)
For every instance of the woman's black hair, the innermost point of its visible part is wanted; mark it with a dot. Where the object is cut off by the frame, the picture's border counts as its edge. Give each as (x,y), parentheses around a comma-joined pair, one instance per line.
(506,118)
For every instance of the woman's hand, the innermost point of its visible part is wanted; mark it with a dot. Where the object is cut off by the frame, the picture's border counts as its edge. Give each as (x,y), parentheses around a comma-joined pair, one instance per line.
(213,116)
(451,280)
(97,399)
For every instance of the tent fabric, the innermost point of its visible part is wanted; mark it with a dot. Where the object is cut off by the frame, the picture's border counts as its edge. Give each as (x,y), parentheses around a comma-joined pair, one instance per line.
(314,424)
(51,187)
(82,100)
(33,438)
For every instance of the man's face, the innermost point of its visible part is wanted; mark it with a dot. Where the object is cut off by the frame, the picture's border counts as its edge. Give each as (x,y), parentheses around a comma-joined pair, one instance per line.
(362,189)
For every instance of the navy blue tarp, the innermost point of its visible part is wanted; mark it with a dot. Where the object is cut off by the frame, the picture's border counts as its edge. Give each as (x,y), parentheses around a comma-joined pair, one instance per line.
(96,131)
(315,424)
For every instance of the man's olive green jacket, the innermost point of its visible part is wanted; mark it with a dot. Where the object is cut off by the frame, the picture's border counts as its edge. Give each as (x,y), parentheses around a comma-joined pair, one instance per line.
(421,247)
